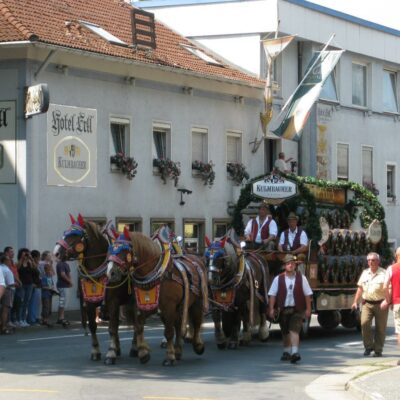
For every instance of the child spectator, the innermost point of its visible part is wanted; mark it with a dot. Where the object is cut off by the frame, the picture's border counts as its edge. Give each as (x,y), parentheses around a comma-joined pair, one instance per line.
(48,290)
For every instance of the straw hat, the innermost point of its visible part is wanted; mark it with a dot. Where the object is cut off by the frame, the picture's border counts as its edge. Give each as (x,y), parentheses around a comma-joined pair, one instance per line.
(292,216)
(289,258)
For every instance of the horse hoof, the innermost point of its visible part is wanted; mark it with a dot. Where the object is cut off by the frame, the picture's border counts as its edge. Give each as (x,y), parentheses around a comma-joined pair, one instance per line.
(178,356)
(187,340)
(95,357)
(199,349)
(168,363)
(144,359)
(133,353)
(244,342)
(163,345)
(221,346)
(232,346)
(109,361)
(265,339)
(118,352)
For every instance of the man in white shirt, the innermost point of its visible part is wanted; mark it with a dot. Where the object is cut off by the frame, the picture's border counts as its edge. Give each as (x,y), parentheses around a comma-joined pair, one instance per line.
(281,163)
(2,284)
(8,296)
(262,230)
(290,296)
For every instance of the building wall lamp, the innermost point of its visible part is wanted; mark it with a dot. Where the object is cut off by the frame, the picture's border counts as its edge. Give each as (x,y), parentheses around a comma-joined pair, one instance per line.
(183,191)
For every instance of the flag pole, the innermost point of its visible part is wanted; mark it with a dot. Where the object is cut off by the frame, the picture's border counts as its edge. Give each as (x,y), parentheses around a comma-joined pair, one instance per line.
(308,72)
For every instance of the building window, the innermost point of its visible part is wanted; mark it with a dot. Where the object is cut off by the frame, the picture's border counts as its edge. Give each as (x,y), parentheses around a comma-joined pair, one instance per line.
(367,165)
(359,85)
(134,224)
(234,147)
(391,182)
(157,223)
(389,92)
(200,145)
(161,141)
(329,91)
(193,234)
(99,221)
(220,227)
(119,128)
(342,162)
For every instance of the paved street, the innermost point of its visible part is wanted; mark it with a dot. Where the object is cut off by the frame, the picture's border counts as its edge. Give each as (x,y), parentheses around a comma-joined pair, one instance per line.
(54,364)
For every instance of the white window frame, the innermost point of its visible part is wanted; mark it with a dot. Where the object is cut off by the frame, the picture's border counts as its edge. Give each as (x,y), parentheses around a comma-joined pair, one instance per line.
(237,135)
(396,111)
(334,75)
(364,65)
(342,177)
(128,221)
(201,130)
(392,197)
(98,30)
(164,127)
(221,221)
(365,147)
(199,241)
(125,121)
(162,221)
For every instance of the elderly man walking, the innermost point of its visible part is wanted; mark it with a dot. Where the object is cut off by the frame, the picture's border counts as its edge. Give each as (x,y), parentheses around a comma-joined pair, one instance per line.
(372,292)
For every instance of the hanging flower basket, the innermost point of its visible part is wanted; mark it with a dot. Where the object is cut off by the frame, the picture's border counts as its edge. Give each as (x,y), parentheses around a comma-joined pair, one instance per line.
(205,171)
(168,169)
(237,172)
(126,165)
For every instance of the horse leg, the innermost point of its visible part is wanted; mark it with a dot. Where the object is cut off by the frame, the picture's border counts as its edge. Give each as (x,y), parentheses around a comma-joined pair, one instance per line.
(113,348)
(178,347)
(142,346)
(218,333)
(82,307)
(196,317)
(91,314)
(170,318)
(234,337)
(263,329)
(245,318)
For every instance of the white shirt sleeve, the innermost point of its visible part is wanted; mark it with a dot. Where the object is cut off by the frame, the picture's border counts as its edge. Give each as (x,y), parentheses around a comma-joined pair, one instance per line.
(303,239)
(247,230)
(273,290)
(388,276)
(273,228)
(282,239)
(306,287)
(2,280)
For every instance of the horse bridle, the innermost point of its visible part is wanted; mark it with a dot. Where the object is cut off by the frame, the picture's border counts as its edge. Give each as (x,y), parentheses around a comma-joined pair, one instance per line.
(131,259)
(78,246)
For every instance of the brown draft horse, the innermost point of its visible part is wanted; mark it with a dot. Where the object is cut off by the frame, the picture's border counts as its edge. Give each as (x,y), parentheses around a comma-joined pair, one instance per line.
(172,283)
(238,283)
(84,240)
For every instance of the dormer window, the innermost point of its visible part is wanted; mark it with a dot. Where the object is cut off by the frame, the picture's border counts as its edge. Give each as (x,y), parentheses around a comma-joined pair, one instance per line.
(198,53)
(98,30)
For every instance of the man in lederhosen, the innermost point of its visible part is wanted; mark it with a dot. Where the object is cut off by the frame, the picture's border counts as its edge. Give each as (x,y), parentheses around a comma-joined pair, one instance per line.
(290,296)
(262,230)
(294,240)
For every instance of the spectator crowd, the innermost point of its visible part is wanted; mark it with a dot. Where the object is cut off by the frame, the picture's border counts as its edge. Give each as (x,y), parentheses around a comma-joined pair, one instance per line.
(27,287)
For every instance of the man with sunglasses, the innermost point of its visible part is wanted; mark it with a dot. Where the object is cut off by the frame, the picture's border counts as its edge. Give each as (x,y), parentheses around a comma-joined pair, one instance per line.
(290,297)
(372,293)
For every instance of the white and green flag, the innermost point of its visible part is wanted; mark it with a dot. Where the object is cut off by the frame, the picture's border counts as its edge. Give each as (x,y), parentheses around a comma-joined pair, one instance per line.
(297,109)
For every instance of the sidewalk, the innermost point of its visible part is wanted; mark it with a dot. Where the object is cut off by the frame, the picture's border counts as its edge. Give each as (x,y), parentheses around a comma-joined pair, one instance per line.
(379,382)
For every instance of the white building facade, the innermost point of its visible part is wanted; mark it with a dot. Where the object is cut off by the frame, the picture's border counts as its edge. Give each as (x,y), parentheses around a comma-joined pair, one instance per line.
(354,129)
(147,111)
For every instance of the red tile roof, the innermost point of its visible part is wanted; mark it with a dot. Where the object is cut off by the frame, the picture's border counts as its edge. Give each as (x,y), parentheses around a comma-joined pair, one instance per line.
(56,22)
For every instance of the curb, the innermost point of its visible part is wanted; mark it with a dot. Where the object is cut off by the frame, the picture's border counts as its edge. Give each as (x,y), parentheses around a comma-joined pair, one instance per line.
(355,384)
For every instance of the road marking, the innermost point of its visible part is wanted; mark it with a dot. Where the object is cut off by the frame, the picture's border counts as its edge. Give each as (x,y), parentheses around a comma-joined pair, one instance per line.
(29,390)
(98,334)
(174,398)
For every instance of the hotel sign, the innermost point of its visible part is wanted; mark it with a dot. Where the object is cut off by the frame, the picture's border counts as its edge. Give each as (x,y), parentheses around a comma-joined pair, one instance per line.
(274,188)
(71,146)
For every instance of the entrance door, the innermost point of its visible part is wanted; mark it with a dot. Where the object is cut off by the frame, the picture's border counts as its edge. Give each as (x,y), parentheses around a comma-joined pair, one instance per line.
(271,154)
